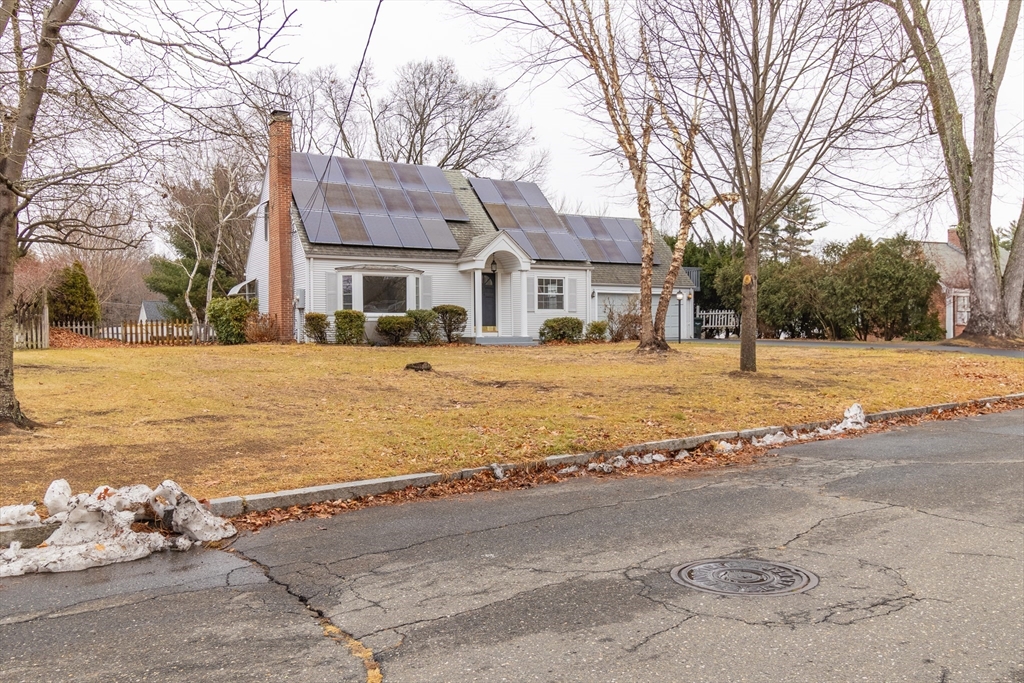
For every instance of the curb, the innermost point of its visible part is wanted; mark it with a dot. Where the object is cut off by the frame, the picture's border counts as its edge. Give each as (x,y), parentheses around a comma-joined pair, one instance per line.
(233,506)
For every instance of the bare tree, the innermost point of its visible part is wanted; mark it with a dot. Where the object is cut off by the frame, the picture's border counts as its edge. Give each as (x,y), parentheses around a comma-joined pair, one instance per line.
(789,88)
(93,96)
(997,300)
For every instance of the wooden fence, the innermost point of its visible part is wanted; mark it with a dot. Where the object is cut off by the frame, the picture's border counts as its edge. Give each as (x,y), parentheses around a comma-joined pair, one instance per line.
(718,320)
(36,333)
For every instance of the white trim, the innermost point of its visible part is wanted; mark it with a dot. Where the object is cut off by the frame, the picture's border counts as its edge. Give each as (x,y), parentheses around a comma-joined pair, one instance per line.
(478,299)
(501,242)
(523,320)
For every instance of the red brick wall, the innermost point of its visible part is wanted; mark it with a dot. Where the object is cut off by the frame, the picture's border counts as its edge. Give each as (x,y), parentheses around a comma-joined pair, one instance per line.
(281,285)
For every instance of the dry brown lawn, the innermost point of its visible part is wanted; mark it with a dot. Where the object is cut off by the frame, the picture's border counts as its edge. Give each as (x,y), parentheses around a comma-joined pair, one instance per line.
(249,419)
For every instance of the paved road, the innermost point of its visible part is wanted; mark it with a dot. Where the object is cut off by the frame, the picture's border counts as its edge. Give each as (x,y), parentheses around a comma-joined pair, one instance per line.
(917,536)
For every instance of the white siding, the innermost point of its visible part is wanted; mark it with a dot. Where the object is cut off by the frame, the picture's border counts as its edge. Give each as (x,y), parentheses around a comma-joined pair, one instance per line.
(258,264)
(536,318)
(505,296)
(619,299)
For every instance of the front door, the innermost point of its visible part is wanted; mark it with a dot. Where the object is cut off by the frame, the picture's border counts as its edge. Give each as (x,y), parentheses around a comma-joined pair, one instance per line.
(490,302)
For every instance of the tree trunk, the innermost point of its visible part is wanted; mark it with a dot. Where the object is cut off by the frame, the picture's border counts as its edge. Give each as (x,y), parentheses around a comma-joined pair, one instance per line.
(10,411)
(748,305)
(1013,280)
(213,274)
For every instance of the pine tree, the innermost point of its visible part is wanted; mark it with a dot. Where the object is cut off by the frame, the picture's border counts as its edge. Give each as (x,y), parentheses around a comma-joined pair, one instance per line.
(799,222)
(72,298)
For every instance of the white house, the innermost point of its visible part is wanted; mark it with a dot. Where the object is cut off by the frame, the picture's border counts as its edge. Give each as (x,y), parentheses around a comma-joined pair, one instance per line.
(336,233)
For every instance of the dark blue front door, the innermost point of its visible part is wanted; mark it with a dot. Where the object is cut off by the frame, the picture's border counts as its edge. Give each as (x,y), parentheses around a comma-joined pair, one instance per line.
(490,300)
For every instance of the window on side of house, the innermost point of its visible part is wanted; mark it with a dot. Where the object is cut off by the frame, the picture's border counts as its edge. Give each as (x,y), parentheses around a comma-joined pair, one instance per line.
(550,293)
(961,309)
(346,292)
(384,294)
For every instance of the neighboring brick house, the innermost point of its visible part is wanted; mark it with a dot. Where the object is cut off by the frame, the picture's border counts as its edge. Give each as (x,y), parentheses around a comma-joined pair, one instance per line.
(952,298)
(338,233)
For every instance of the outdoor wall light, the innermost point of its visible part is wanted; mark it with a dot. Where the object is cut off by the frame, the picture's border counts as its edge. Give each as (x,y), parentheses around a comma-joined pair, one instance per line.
(494,265)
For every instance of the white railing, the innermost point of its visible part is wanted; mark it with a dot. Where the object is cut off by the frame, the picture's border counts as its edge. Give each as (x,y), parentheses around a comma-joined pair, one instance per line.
(718,320)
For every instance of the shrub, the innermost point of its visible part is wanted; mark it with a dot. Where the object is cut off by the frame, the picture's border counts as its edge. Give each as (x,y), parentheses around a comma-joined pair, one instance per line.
(349,327)
(260,327)
(426,326)
(228,317)
(316,327)
(624,324)
(452,320)
(395,329)
(927,329)
(597,330)
(566,329)
(72,298)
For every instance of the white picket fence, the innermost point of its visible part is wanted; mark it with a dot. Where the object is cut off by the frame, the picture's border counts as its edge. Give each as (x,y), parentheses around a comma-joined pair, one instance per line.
(33,335)
(36,334)
(718,320)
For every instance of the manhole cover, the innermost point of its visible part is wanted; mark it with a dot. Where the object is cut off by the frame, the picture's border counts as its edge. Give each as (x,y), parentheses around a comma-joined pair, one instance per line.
(744,577)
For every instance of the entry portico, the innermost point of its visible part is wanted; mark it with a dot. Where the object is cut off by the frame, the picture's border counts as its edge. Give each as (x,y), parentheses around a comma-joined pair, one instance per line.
(498,267)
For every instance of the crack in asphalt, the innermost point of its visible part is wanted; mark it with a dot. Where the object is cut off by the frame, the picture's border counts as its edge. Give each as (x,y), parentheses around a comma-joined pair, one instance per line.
(330,630)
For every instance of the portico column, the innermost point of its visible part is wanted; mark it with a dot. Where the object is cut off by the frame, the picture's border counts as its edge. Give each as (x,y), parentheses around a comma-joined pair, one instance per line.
(522,304)
(478,303)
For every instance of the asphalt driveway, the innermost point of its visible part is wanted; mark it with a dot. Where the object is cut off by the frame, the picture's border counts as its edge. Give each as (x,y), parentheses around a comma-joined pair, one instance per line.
(917,536)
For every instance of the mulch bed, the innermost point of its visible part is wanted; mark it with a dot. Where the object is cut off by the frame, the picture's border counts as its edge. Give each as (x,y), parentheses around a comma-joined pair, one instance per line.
(702,459)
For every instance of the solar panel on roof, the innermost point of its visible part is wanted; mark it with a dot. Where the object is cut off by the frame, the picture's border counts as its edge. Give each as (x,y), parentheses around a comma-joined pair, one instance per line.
(597,228)
(594,251)
(368,200)
(532,194)
(382,231)
(351,228)
(510,194)
(320,227)
(324,169)
(549,220)
(438,234)
(339,198)
(307,195)
(519,237)
(396,202)
(631,229)
(568,246)
(382,174)
(486,191)
(301,170)
(545,248)
(613,252)
(409,176)
(630,251)
(423,205)
(411,232)
(614,231)
(450,208)
(355,171)
(435,180)
(501,216)
(578,225)
(525,217)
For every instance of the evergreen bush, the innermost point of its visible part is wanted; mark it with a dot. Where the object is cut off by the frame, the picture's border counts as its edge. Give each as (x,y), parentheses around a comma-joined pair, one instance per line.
(395,329)
(72,298)
(452,320)
(597,330)
(426,325)
(228,317)
(567,329)
(316,327)
(349,327)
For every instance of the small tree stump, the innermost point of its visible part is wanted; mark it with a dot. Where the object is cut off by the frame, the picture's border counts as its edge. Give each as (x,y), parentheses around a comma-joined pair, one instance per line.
(422,366)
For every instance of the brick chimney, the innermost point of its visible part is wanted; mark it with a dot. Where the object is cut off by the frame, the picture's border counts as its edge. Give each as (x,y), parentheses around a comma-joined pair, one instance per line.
(281,285)
(953,238)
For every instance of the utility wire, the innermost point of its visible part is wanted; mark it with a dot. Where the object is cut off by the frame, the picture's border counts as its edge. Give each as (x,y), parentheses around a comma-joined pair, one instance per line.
(348,105)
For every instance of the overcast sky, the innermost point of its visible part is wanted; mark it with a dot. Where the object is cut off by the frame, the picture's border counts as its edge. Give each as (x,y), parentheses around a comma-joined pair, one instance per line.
(335,33)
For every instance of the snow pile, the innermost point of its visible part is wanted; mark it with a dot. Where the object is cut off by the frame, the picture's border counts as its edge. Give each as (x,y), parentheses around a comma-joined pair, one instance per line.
(853,419)
(19,515)
(96,529)
(618,462)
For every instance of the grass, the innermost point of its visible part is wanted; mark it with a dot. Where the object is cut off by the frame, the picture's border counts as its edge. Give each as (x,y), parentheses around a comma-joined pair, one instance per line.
(242,420)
